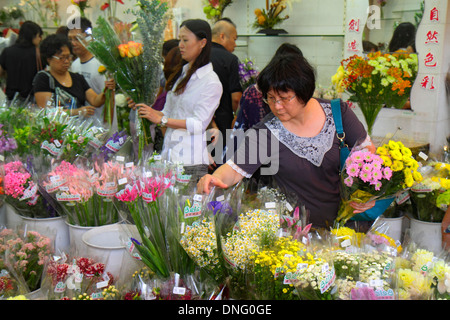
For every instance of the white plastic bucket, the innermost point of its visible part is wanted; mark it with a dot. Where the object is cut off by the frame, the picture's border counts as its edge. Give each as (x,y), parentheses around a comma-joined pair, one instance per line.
(54,228)
(393,227)
(427,235)
(107,244)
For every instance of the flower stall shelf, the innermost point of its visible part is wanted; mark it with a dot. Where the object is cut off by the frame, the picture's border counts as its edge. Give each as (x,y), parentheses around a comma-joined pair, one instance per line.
(268,18)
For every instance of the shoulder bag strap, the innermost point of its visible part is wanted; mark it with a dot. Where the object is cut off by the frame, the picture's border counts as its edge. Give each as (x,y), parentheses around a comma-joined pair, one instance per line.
(340,134)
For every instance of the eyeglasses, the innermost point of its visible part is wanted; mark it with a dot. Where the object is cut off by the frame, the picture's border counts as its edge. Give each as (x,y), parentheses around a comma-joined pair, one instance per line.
(64,58)
(281,101)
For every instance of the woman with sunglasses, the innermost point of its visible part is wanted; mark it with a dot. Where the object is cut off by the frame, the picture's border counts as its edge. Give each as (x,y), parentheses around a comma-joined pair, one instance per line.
(76,97)
(296,141)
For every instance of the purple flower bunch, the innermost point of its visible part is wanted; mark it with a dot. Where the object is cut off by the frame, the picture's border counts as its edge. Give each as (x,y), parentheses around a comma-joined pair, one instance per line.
(367,167)
(7,144)
(247,73)
(113,145)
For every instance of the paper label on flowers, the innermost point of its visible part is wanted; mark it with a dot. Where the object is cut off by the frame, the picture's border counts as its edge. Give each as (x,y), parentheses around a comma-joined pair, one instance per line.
(183,178)
(107,192)
(30,192)
(60,287)
(327,280)
(68,197)
(147,197)
(290,277)
(382,294)
(55,185)
(113,146)
(51,147)
(194,211)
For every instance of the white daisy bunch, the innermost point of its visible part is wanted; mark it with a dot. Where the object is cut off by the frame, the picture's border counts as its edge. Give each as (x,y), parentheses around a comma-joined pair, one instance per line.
(199,242)
(254,230)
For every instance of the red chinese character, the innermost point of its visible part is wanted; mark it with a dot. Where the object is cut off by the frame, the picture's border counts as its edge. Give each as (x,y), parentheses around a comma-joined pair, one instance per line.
(353,25)
(429,60)
(427,83)
(432,37)
(352,46)
(434,14)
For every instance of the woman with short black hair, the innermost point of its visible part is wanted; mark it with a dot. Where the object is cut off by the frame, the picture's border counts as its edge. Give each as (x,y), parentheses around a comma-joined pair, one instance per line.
(20,62)
(73,92)
(296,141)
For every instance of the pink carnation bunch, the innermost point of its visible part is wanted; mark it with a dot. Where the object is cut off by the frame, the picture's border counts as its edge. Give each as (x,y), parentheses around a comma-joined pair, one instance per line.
(367,167)
(17,179)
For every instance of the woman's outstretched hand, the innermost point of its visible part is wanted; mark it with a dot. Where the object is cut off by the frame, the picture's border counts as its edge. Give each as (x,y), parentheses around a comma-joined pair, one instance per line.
(208,181)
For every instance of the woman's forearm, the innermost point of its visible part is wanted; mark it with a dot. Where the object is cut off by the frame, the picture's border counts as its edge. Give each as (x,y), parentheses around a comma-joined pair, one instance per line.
(227,175)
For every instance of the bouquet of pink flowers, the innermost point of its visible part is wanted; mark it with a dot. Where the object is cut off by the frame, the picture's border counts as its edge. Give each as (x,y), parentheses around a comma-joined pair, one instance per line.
(87,195)
(24,255)
(22,191)
(367,176)
(364,179)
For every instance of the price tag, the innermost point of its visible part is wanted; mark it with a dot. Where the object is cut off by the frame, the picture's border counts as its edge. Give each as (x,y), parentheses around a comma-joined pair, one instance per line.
(179,290)
(220,198)
(120,158)
(122,181)
(197,197)
(423,156)
(271,205)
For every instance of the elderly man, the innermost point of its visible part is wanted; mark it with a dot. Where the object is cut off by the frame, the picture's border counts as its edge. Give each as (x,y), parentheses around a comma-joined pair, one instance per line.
(226,65)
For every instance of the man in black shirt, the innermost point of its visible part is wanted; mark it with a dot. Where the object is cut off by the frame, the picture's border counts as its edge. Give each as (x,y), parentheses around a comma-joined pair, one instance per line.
(226,65)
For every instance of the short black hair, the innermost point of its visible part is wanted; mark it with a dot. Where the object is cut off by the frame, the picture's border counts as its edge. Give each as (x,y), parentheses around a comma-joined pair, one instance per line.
(80,23)
(288,48)
(27,32)
(288,72)
(53,44)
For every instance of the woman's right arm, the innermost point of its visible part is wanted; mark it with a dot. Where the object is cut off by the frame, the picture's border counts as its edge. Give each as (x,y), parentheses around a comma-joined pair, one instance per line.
(42,97)
(224,177)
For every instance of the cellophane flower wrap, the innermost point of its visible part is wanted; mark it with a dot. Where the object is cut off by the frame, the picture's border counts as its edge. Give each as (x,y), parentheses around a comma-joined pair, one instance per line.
(77,278)
(86,194)
(48,131)
(367,176)
(22,191)
(141,200)
(247,73)
(377,80)
(16,125)
(82,138)
(254,230)
(135,63)
(24,254)
(364,264)
(205,222)
(7,142)
(431,196)
(277,267)
(414,274)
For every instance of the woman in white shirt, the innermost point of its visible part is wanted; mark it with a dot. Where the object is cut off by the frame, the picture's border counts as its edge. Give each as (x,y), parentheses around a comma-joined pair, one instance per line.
(194,92)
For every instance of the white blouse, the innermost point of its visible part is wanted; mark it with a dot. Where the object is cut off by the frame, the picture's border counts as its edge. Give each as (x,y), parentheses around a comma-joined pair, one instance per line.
(197,105)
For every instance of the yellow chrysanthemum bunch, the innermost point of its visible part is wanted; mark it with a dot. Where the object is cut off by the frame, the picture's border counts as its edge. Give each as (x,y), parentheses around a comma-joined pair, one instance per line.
(399,158)
(284,257)
(344,233)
